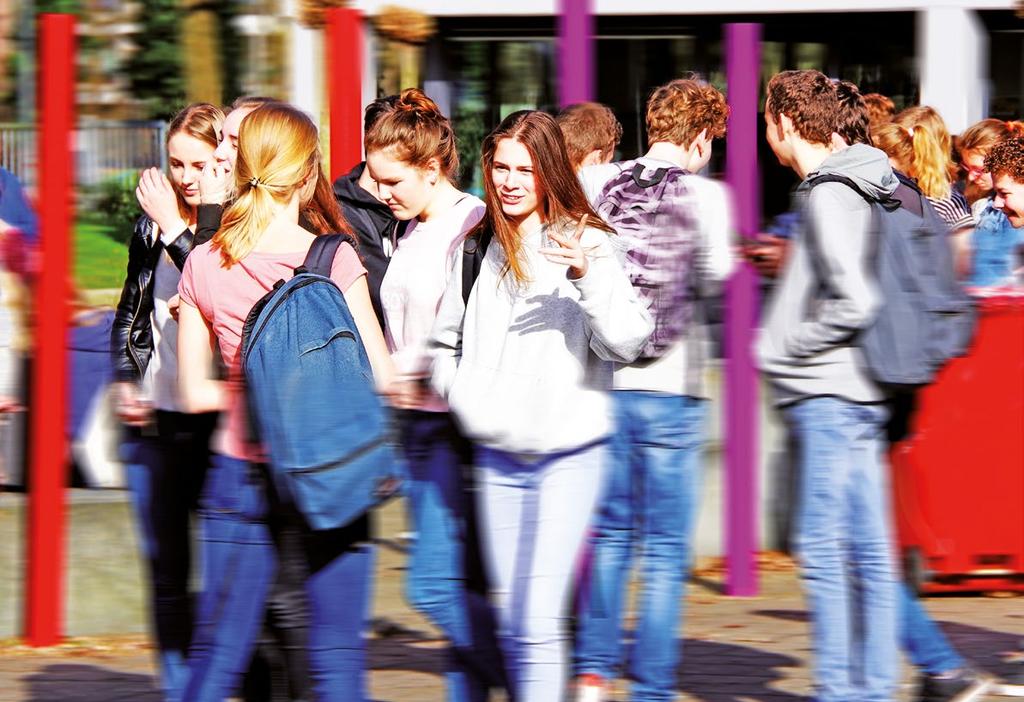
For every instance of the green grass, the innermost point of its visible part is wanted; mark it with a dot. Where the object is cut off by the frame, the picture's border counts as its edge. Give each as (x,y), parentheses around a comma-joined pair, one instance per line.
(100,261)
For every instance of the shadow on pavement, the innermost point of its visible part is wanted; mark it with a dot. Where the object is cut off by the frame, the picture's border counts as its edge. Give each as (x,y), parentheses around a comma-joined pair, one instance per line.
(399,648)
(724,672)
(789,615)
(985,648)
(89,683)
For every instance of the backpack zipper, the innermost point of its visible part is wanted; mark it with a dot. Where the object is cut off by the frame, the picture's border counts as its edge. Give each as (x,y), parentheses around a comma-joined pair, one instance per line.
(361,451)
(313,278)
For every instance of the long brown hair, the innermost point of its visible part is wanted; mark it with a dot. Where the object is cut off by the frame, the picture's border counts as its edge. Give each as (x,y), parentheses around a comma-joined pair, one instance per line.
(201,121)
(560,196)
(982,136)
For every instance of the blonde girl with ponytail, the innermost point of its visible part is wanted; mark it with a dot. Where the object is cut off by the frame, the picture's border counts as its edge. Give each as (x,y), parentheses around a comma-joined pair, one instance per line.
(918,145)
(248,531)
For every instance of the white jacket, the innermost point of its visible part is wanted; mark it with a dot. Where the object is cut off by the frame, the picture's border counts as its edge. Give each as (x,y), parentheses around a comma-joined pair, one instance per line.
(527,368)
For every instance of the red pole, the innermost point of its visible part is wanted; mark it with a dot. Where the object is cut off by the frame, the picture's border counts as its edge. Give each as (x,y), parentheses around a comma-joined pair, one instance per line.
(48,465)
(345,60)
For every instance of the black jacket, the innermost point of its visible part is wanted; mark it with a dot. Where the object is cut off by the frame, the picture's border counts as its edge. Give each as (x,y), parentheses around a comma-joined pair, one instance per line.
(131,338)
(372,222)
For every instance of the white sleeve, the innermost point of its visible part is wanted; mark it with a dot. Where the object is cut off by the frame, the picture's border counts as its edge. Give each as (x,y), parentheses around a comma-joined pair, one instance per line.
(715,260)
(619,321)
(445,344)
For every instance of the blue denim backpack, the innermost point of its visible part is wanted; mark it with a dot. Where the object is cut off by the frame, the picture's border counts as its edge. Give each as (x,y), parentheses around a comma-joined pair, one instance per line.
(654,218)
(311,396)
(925,317)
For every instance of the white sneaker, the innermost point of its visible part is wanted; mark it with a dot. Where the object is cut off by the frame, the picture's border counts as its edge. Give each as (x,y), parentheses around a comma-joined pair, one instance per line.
(590,688)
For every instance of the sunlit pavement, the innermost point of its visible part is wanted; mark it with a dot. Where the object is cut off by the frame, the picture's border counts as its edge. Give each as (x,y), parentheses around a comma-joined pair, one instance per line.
(735,649)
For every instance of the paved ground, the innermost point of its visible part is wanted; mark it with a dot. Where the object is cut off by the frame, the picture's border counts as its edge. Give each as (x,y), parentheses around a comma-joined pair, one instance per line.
(735,650)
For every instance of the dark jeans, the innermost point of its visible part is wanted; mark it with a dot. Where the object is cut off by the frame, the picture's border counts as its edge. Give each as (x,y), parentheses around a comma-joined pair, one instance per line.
(445,579)
(249,537)
(165,464)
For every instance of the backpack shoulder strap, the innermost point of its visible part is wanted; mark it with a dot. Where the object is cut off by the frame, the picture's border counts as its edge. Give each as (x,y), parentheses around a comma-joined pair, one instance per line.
(813,250)
(474,247)
(889,203)
(320,258)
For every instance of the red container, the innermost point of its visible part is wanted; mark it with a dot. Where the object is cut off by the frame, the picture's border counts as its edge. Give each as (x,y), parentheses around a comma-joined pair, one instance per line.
(959,478)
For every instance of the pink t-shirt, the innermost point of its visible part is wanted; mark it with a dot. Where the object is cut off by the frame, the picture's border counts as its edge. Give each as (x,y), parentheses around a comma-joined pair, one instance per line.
(224,296)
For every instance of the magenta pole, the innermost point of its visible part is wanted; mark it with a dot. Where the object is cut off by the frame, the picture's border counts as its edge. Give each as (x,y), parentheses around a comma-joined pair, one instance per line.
(575,52)
(743,68)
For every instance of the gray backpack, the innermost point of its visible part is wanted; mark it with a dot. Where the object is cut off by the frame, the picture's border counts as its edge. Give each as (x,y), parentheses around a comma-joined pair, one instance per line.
(925,317)
(654,218)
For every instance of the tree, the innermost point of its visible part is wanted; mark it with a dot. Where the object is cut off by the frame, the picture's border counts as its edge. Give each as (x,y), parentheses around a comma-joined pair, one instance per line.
(156,66)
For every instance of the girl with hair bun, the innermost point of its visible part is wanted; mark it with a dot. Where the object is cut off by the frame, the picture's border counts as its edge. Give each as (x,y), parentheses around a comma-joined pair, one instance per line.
(249,531)
(411,155)
(165,450)
(994,239)
(526,366)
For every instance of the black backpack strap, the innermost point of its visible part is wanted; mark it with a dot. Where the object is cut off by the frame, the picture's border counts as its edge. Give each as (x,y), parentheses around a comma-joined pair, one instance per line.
(889,203)
(320,258)
(638,176)
(473,250)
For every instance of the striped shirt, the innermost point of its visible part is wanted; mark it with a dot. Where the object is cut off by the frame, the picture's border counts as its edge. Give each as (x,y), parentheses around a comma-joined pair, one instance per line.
(953,210)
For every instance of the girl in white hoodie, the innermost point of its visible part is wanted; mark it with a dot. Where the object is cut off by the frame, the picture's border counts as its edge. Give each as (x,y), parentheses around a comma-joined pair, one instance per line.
(525,366)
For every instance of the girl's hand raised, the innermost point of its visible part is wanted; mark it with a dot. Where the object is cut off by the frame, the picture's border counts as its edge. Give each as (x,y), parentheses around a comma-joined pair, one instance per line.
(569,250)
(214,184)
(158,200)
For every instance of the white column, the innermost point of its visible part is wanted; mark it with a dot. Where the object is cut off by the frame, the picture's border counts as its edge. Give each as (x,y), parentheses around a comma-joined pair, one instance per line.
(953,56)
(305,73)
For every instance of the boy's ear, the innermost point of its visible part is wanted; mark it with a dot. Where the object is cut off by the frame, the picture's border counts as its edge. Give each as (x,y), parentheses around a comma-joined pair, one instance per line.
(785,126)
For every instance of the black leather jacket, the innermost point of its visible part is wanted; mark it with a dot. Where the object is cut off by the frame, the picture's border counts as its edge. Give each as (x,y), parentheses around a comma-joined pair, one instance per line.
(131,338)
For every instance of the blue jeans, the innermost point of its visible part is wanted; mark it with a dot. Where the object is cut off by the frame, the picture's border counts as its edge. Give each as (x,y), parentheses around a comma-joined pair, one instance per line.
(445,582)
(535,512)
(651,502)
(844,544)
(164,466)
(248,534)
(922,639)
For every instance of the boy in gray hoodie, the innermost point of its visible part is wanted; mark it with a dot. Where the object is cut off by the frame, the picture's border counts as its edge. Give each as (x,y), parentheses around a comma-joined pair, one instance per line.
(808,350)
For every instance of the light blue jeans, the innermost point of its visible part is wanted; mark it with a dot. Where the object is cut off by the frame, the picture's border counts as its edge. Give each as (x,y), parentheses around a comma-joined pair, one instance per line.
(844,544)
(651,503)
(535,511)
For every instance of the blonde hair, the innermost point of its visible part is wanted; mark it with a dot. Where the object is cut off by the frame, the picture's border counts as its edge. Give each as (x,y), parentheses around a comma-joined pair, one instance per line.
(918,141)
(278,151)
